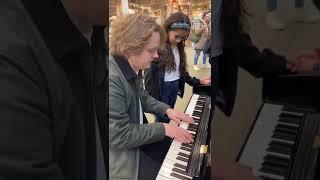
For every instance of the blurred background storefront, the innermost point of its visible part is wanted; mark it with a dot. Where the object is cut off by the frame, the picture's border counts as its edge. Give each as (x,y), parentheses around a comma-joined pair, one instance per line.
(159,9)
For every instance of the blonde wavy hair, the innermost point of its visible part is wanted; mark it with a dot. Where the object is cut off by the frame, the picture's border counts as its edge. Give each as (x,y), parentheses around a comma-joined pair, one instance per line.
(131,33)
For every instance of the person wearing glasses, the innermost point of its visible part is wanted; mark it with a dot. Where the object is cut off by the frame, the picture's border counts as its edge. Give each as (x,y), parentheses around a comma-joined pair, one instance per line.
(166,77)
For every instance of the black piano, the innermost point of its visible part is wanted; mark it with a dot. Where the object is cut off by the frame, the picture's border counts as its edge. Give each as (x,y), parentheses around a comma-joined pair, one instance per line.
(279,145)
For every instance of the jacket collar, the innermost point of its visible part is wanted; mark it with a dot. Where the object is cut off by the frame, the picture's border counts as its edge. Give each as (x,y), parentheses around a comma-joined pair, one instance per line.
(125,67)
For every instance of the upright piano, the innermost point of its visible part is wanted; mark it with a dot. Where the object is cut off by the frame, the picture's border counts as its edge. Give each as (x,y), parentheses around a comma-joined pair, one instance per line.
(280,144)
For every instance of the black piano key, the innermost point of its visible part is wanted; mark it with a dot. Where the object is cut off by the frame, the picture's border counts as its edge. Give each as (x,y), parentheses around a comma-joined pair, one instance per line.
(267,178)
(180,171)
(278,150)
(272,168)
(289,115)
(186,149)
(191,129)
(182,159)
(198,103)
(277,162)
(184,155)
(199,108)
(196,113)
(274,164)
(197,116)
(180,166)
(279,147)
(285,146)
(287,131)
(292,129)
(289,120)
(193,125)
(278,159)
(179,176)
(281,143)
(283,135)
(187,145)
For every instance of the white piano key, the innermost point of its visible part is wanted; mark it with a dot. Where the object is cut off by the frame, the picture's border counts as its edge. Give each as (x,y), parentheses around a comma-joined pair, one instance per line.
(160,177)
(166,172)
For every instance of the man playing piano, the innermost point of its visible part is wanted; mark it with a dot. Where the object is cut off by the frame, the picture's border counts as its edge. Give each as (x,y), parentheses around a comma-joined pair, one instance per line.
(134,43)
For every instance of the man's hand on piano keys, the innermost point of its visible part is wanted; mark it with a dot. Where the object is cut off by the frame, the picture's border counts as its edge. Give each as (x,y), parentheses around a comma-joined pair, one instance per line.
(179,116)
(180,134)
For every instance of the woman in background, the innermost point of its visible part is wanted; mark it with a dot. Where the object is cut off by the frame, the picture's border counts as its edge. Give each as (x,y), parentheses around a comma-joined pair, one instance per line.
(166,77)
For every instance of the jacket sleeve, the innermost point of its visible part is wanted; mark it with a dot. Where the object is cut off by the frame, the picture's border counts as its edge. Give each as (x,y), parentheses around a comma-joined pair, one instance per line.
(260,63)
(192,81)
(122,133)
(152,105)
(25,126)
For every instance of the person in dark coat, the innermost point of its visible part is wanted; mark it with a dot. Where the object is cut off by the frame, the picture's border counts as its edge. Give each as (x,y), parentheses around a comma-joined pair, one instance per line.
(166,77)
(52,95)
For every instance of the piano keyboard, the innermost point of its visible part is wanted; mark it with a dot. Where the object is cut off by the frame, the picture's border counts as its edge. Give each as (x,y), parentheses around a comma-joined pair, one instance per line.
(272,145)
(183,161)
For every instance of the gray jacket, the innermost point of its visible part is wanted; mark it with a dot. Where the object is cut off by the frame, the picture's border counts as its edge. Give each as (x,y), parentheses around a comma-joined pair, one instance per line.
(126,134)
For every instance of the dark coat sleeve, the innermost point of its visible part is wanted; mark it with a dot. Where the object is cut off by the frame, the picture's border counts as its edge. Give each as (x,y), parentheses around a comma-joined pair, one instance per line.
(152,80)
(26,141)
(260,63)
(192,81)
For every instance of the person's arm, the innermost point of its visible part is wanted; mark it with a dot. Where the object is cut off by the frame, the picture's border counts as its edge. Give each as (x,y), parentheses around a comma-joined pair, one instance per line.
(151,78)
(26,139)
(122,133)
(192,81)
(152,105)
(260,63)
